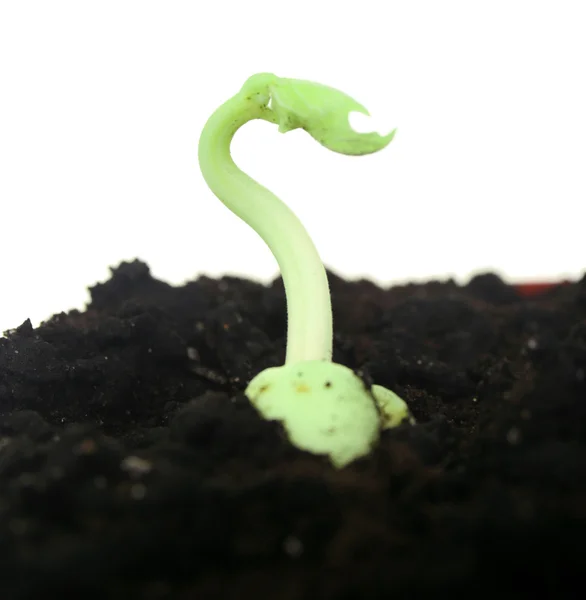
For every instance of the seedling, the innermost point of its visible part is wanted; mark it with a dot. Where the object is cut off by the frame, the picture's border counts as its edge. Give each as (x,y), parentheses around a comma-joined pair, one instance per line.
(324,407)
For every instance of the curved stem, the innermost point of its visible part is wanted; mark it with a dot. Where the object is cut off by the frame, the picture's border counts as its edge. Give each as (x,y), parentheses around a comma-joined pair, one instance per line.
(309,311)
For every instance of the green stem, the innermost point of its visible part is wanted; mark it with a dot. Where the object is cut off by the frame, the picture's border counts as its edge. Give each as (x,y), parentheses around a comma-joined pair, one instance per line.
(309,310)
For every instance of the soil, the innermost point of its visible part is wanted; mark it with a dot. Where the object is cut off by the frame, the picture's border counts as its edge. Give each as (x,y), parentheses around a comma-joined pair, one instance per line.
(133,467)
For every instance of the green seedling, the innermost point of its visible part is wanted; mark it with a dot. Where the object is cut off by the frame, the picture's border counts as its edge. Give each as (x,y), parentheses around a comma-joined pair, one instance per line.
(325,407)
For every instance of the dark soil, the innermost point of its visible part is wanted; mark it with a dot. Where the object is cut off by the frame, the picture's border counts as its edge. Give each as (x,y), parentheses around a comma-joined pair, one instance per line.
(133,467)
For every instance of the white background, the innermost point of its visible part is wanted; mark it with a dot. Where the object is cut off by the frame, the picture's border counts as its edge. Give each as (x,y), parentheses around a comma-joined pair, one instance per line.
(102,103)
